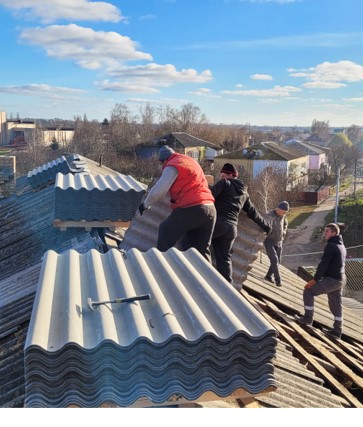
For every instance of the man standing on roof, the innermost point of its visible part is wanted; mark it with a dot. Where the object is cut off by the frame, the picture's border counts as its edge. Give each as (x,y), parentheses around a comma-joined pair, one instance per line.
(193,212)
(328,279)
(231,197)
(273,243)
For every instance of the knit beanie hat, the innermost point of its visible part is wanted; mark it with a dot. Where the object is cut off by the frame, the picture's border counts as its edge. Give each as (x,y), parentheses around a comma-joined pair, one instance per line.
(229,168)
(165,152)
(284,206)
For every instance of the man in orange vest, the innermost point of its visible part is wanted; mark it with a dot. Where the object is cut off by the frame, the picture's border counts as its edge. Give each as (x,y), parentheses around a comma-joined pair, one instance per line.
(193,214)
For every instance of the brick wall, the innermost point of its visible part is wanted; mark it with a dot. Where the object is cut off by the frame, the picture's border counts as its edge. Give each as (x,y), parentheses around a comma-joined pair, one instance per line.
(7,176)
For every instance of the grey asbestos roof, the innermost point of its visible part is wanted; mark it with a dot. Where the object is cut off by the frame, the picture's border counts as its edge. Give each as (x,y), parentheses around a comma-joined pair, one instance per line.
(304,147)
(97,197)
(26,233)
(46,173)
(268,150)
(183,139)
(195,334)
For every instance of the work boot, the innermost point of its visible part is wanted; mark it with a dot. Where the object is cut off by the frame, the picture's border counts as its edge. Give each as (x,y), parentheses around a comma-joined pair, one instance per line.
(269,279)
(331,333)
(336,332)
(306,319)
(278,282)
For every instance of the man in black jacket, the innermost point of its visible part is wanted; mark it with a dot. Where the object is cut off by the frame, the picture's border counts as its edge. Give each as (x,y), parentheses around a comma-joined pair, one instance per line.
(328,279)
(231,197)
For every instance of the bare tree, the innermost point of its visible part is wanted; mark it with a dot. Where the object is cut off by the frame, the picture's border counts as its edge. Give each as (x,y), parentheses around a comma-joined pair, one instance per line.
(88,138)
(354,133)
(123,129)
(321,129)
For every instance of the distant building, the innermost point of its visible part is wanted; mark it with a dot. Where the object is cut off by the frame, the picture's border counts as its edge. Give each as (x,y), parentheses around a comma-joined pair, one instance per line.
(253,160)
(20,132)
(182,143)
(317,156)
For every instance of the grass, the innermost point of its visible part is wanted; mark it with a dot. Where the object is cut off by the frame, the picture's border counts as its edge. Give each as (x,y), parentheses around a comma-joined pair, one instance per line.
(350,209)
(297,215)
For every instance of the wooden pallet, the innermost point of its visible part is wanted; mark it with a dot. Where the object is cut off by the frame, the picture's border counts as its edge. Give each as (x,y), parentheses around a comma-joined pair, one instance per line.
(88,225)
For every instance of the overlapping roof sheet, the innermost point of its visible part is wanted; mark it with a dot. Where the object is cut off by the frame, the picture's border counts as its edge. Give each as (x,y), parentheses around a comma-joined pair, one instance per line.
(97,198)
(47,172)
(195,334)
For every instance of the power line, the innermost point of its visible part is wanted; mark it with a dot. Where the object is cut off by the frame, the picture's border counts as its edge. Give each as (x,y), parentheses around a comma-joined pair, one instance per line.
(316,253)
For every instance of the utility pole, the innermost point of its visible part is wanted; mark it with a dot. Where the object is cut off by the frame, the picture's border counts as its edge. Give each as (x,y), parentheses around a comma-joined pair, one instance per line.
(337,197)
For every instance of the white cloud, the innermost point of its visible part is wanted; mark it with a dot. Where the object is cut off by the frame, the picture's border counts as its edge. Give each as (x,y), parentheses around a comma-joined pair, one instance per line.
(87,47)
(276,91)
(39,89)
(149,76)
(205,92)
(260,77)
(330,75)
(149,17)
(323,85)
(127,86)
(359,99)
(163,101)
(51,11)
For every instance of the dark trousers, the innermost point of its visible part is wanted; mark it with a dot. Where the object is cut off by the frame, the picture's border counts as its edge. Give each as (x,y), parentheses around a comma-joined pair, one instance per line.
(223,238)
(331,287)
(194,225)
(273,251)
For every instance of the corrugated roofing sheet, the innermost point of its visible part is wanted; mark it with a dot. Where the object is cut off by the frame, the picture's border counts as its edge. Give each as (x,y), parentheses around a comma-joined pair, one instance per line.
(46,173)
(195,334)
(354,272)
(101,197)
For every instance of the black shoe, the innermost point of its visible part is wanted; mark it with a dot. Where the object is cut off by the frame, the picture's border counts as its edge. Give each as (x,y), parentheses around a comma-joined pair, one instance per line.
(269,279)
(303,320)
(331,333)
(278,283)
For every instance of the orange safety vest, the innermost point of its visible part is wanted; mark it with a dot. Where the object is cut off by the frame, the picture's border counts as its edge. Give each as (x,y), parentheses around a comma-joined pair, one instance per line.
(190,187)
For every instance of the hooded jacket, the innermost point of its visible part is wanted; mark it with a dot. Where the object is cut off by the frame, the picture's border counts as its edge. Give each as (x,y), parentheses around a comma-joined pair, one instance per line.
(332,263)
(279,226)
(231,197)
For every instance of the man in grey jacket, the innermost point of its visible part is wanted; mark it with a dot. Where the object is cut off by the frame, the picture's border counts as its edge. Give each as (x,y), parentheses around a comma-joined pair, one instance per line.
(273,243)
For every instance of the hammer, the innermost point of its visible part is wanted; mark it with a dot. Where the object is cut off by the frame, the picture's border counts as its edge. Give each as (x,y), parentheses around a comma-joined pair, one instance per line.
(91,304)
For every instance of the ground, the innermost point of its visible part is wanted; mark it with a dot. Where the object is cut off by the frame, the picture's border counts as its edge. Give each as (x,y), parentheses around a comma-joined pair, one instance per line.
(300,248)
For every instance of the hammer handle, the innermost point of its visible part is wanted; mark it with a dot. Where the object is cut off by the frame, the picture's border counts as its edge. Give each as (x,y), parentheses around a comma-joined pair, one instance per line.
(135,298)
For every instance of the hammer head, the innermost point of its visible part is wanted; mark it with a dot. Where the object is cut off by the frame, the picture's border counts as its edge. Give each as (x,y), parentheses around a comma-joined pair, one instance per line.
(90,304)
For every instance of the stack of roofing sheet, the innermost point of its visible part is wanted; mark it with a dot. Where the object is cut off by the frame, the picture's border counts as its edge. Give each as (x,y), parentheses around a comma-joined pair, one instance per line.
(97,198)
(46,173)
(196,333)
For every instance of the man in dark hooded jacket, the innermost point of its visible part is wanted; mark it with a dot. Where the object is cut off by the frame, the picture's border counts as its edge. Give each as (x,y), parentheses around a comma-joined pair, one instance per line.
(328,279)
(231,197)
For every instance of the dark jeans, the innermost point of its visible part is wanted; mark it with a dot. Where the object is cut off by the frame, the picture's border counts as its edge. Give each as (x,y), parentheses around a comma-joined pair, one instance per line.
(194,225)
(223,238)
(273,251)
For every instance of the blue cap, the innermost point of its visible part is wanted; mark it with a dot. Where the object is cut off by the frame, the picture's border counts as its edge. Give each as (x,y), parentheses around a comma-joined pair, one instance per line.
(165,152)
(284,206)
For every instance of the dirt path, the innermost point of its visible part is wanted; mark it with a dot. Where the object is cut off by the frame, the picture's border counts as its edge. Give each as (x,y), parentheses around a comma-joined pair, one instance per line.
(300,248)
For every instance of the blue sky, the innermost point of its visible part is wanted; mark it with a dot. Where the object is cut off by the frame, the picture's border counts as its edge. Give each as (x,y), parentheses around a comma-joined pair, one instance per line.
(263,62)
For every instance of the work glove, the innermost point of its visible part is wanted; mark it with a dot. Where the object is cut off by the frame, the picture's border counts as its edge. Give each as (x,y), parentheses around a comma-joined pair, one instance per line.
(268,230)
(142,208)
(310,283)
